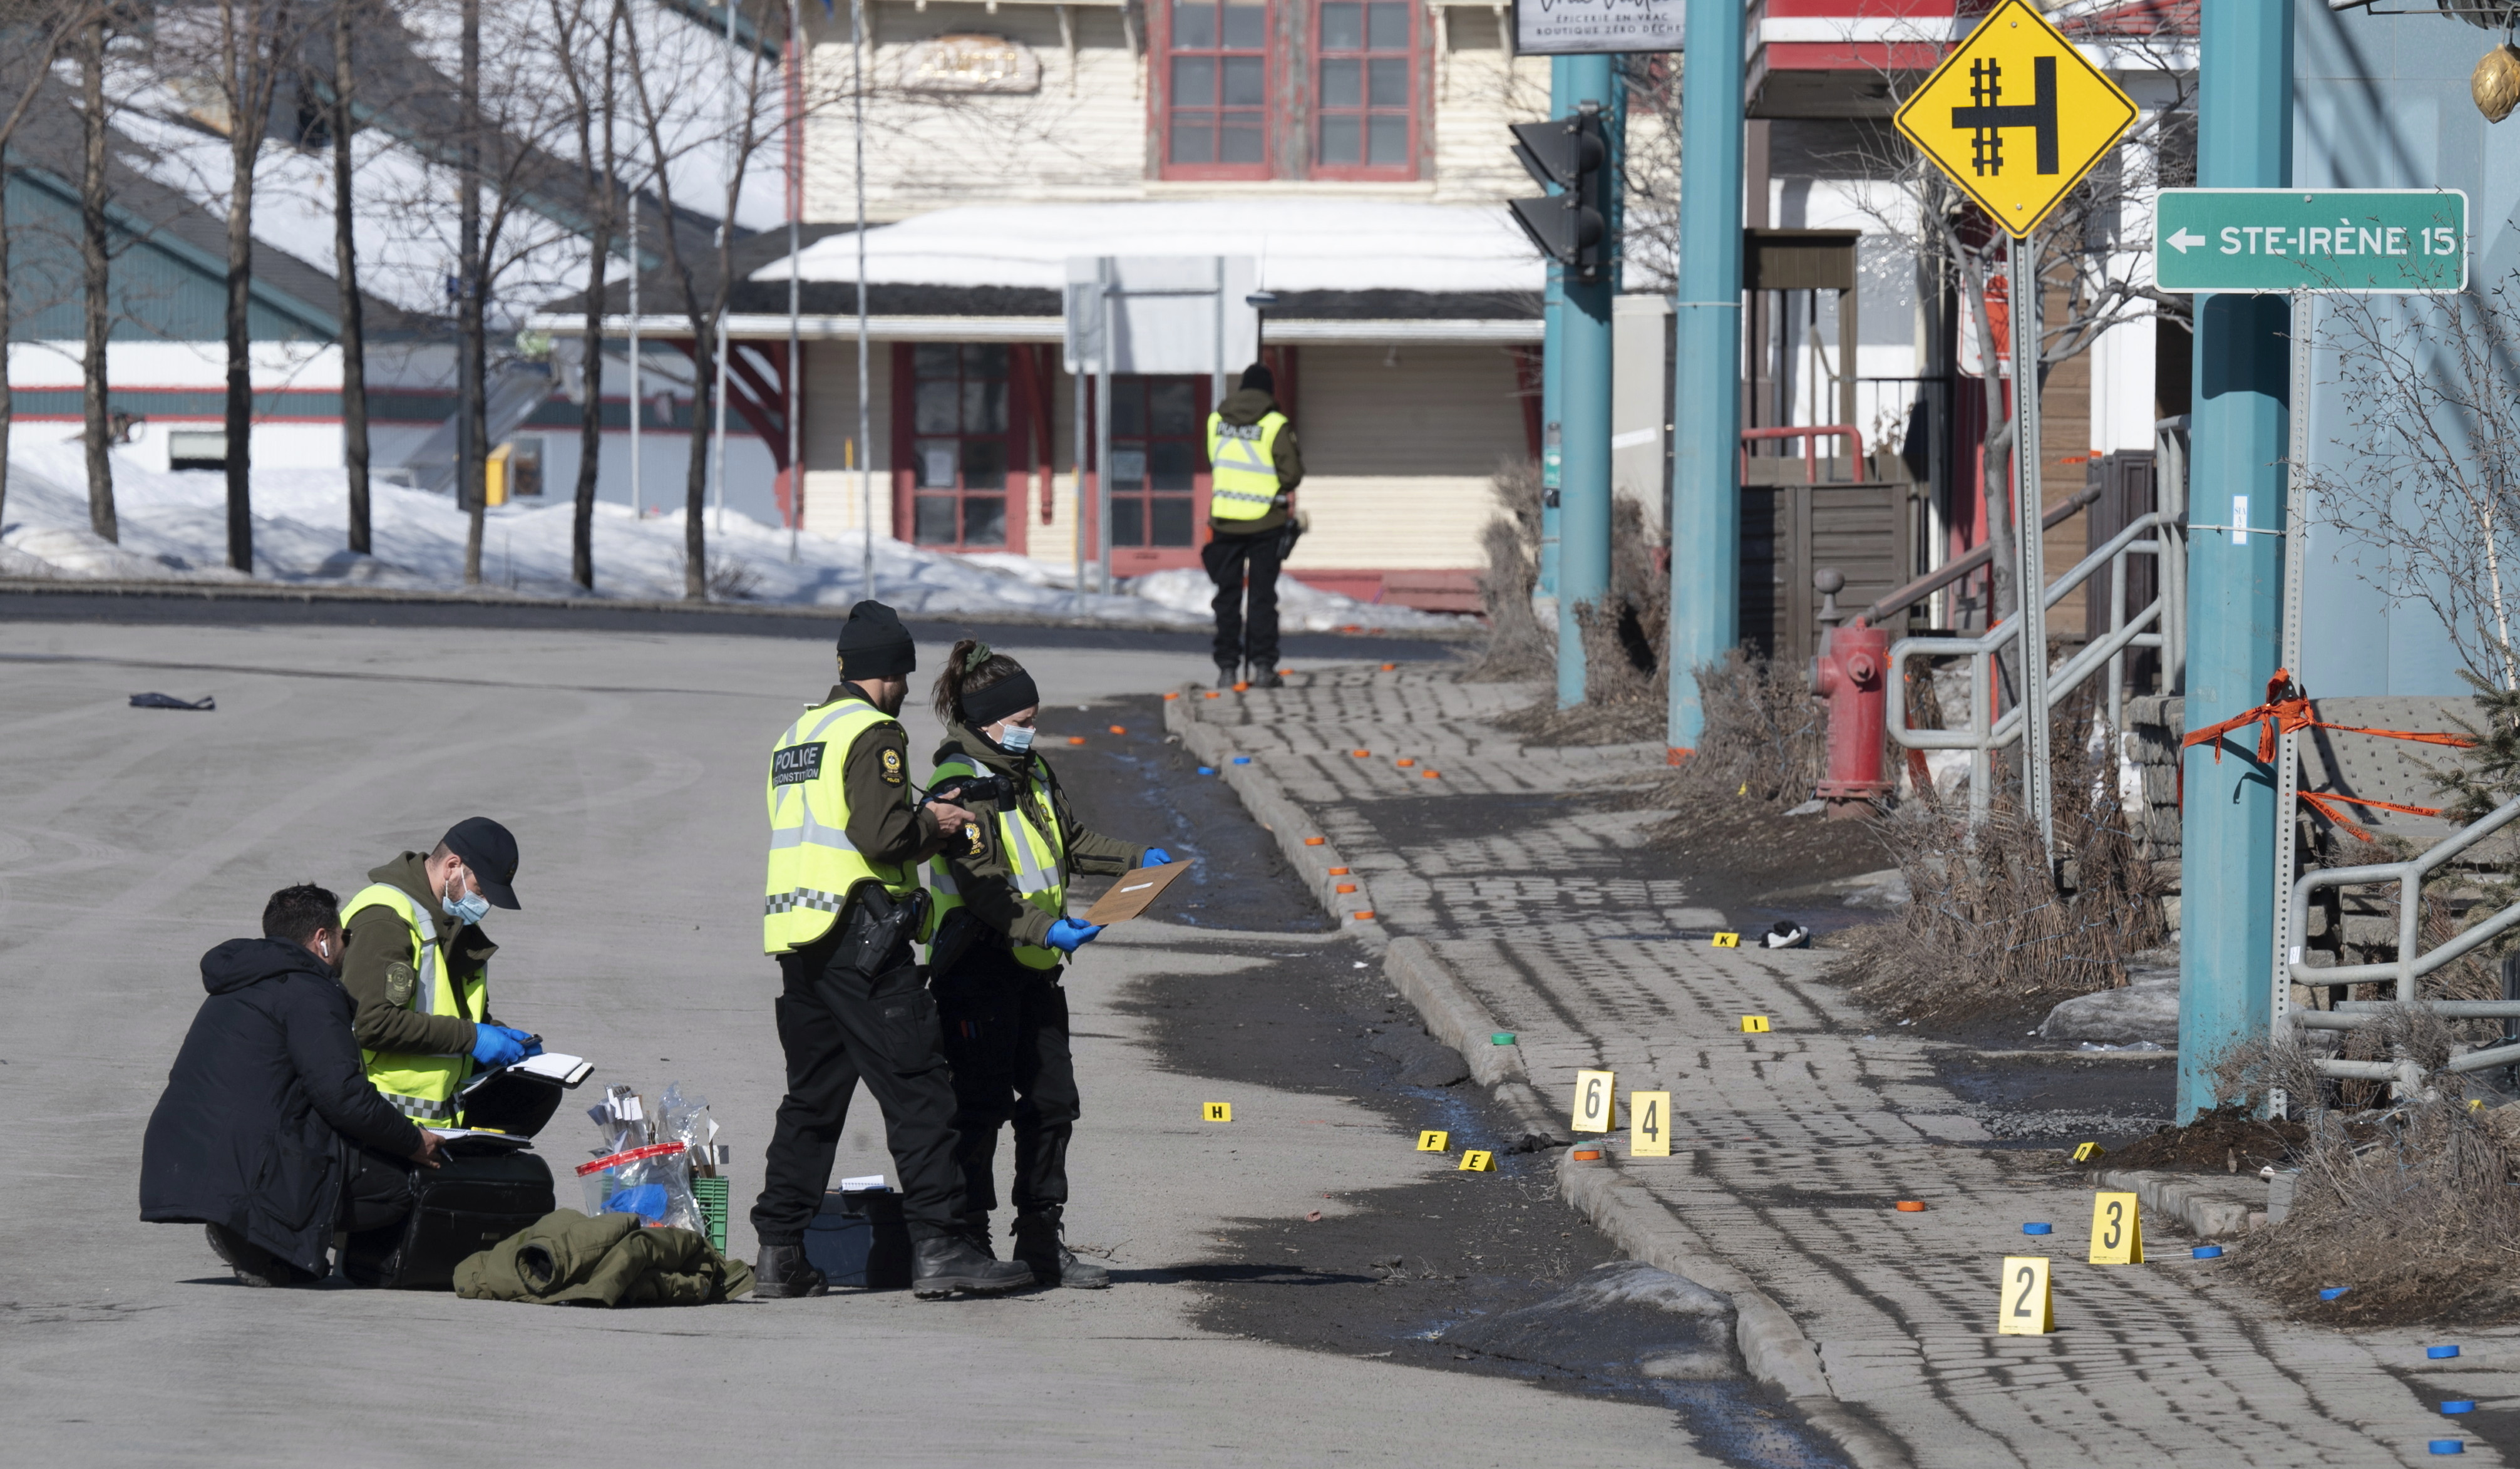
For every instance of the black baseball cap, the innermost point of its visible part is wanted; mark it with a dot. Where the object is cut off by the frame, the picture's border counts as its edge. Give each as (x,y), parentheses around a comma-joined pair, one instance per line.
(490,850)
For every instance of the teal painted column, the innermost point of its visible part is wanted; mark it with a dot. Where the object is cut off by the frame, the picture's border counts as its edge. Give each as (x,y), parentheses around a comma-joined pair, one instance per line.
(1583,412)
(2237,444)
(1706,373)
(1552,361)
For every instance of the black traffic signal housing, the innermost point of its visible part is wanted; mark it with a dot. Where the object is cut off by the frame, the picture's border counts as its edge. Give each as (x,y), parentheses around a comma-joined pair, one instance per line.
(1573,226)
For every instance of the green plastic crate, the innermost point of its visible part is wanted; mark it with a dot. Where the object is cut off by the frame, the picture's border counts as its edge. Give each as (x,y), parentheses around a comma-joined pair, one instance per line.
(711,1195)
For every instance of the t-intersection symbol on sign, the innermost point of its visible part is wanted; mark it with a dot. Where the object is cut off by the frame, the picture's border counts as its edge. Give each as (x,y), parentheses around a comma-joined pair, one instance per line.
(1986,91)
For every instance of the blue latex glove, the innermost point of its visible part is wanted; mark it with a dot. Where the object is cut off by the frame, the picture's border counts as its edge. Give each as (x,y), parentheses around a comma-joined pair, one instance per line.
(1065,934)
(646,1200)
(496,1045)
(1156,857)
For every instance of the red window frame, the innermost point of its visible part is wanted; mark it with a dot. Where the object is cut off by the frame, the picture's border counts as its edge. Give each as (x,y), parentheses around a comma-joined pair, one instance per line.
(1171,113)
(1015,444)
(1175,454)
(1357,101)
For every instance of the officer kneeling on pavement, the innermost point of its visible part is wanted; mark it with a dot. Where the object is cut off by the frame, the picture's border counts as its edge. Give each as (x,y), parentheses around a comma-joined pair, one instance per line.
(269,1131)
(842,910)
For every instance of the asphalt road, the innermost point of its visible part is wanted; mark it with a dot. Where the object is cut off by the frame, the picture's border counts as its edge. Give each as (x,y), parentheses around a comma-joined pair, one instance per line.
(628,763)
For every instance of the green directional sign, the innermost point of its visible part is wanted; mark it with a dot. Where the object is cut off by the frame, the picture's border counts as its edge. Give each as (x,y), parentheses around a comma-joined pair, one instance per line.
(2368,240)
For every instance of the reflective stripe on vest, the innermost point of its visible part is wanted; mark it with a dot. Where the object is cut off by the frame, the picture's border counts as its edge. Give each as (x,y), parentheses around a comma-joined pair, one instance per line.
(1243,467)
(1035,854)
(422,1088)
(813,864)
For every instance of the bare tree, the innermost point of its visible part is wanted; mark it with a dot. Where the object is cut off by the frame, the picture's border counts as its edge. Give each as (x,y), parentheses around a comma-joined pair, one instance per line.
(256,45)
(743,136)
(96,278)
(38,31)
(2429,478)
(345,266)
(592,110)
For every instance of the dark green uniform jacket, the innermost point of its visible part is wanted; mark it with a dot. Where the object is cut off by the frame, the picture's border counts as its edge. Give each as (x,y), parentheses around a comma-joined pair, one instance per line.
(378,941)
(987,881)
(1247,406)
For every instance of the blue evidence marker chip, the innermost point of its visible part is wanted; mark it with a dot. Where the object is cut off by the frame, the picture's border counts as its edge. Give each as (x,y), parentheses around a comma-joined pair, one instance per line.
(2038,1228)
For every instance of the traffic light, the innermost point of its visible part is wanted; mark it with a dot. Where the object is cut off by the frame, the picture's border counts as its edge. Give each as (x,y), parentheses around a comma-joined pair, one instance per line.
(1572,226)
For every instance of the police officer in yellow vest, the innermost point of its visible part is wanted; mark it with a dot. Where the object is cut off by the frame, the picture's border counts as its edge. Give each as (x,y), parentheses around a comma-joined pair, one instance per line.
(840,912)
(418,967)
(1255,467)
(1003,925)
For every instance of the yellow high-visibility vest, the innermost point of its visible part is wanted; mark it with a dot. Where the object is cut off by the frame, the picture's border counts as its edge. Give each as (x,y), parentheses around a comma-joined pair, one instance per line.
(1244,483)
(1033,853)
(812,864)
(422,1087)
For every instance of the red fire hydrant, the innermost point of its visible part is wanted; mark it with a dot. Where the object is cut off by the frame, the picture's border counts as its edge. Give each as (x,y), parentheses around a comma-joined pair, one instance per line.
(1852,672)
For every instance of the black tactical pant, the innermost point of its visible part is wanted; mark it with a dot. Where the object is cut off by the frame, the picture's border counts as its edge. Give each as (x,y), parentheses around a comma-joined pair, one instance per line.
(1006,1035)
(1229,560)
(839,1025)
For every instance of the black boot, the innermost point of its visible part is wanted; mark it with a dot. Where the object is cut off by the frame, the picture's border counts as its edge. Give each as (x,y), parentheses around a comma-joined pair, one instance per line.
(254,1265)
(1268,678)
(948,1263)
(1038,1244)
(782,1273)
(1228,674)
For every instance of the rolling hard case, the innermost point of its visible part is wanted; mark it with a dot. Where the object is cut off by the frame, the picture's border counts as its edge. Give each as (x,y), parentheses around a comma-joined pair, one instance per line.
(476,1198)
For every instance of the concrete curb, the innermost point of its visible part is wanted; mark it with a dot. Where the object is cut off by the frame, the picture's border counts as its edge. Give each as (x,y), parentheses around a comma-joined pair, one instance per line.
(1772,1346)
(2210,1208)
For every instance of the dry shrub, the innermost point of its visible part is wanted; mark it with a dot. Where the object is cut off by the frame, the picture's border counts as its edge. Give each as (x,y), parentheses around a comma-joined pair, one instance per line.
(2415,1209)
(1626,694)
(1766,736)
(1518,647)
(1987,931)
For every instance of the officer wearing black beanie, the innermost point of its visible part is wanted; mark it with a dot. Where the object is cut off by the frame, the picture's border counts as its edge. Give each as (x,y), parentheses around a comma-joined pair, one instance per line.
(843,907)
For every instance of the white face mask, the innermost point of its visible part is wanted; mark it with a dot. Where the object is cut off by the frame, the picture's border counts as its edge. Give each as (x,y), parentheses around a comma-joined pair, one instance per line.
(470,909)
(1015,739)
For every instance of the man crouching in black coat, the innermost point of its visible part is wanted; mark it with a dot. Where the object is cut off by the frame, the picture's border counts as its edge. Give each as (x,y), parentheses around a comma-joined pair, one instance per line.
(270,1132)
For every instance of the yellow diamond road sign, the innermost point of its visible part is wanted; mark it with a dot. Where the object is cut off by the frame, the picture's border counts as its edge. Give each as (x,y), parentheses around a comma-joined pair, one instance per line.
(2016,116)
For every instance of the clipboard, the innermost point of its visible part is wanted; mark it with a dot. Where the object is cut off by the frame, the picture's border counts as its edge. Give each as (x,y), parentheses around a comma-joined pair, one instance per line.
(1134,892)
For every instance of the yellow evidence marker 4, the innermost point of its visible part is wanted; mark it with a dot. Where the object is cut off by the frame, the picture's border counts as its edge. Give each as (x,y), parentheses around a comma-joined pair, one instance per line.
(1754,1024)
(1216,1112)
(2028,1309)
(1434,1142)
(1597,1101)
(1477,1162)
(2117,1231)
(1650,1125)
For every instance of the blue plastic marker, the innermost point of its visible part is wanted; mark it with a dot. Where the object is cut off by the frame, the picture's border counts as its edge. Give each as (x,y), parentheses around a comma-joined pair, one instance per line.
(2449,1445)
(2038,1228)
(1207,769)
(1242,759)
(2207,1252)
(2460,1406)
(2438,1352)
(2333,1290)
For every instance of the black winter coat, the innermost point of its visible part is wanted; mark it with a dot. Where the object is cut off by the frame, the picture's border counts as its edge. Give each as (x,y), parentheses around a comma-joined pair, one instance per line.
(270,1081)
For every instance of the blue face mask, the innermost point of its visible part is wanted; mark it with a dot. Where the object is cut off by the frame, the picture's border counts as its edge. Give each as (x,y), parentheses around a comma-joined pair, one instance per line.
(1016,740)
(470,909)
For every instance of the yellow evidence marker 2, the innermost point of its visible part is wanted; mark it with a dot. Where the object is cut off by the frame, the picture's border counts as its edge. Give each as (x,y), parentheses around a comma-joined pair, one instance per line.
(2028,1308)
(1728,941)
(1754,1024)
(1597,1101)
(1476,1162)
(1216,1112)
(1434,1142)
(2117,1231)
(1650,1125)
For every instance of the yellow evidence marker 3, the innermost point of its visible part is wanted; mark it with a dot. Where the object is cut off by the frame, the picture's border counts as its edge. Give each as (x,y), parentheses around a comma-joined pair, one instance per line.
(1650,1125)
(1216,1112)
(2028,1308)
(1434,1142)
(1597,1101)
(1754,1024)
(2117,1231)
(1477,1162)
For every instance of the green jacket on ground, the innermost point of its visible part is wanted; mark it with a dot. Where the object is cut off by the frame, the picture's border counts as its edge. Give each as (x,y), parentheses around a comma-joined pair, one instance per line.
(565,1259)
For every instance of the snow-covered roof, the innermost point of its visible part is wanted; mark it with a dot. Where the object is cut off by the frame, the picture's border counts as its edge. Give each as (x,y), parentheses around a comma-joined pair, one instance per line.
(1301,244)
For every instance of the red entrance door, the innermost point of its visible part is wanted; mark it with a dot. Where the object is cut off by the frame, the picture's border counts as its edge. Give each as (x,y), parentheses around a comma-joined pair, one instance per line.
(1159,476)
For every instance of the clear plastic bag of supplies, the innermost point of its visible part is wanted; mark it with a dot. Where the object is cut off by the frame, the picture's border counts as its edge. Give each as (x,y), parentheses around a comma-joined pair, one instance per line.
(654,1182)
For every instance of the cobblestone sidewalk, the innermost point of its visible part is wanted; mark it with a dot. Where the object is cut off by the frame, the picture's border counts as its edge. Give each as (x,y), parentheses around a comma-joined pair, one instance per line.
(1509,898)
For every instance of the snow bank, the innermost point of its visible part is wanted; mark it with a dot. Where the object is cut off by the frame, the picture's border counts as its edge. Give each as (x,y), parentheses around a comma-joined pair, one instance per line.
(174,527)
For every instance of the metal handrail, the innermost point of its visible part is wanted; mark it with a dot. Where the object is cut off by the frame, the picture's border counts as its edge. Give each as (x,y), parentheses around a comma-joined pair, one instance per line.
(2411,964)
(1985,736)
(1953,570)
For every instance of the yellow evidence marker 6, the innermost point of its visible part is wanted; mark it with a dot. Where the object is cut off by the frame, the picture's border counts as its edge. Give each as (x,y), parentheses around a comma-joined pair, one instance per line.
(2027,1309)
(1476,1162)
(1216,1112)
(1434,1142)
(1754,1024)
(1597,1101)
(1728,941)
(1650,1125)
(2117,1231)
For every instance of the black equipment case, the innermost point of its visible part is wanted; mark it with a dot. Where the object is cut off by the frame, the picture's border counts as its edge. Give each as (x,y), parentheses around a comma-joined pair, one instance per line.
(476,1198)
